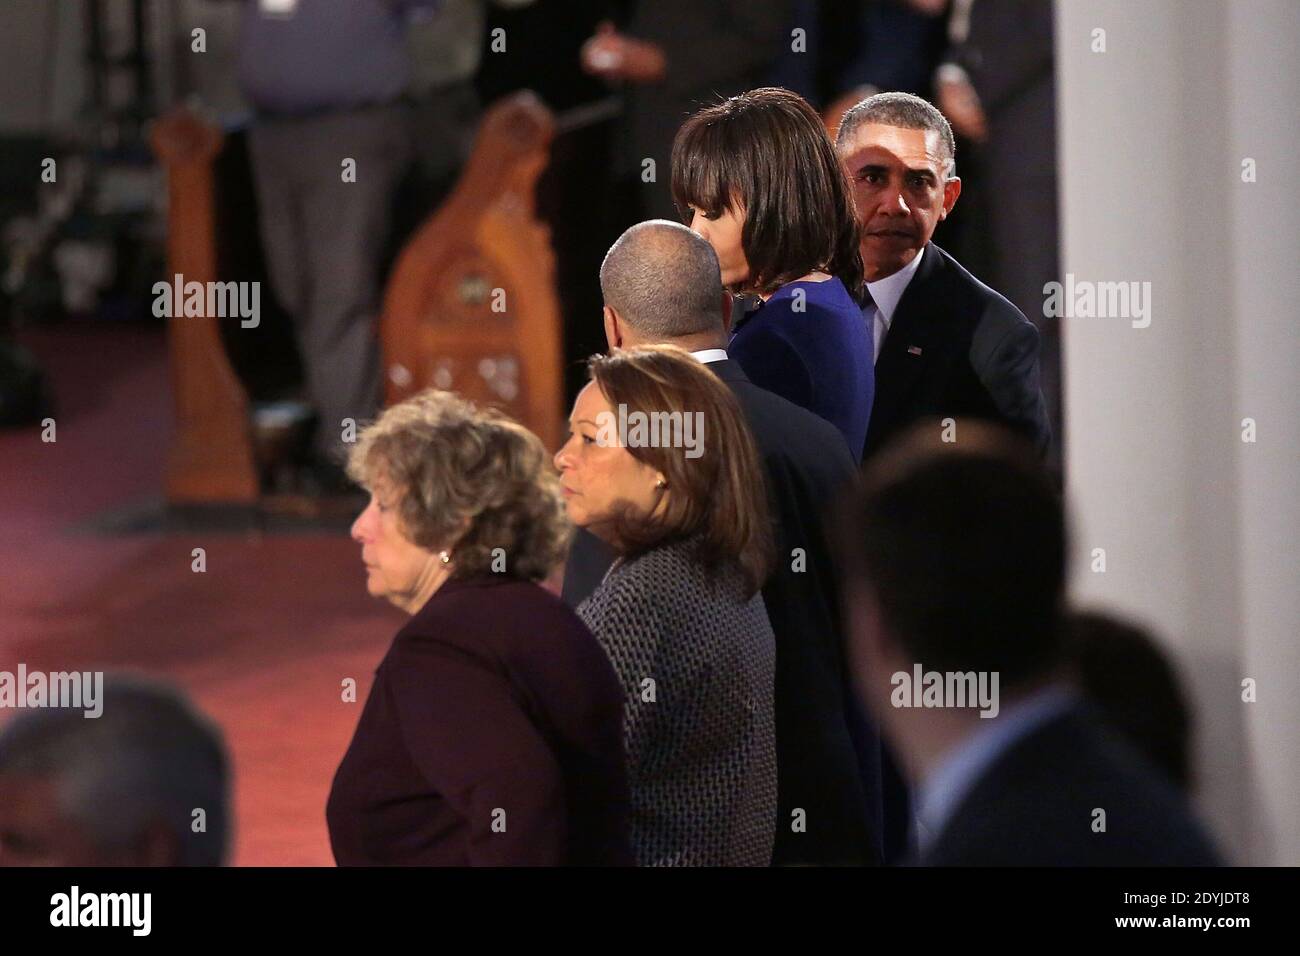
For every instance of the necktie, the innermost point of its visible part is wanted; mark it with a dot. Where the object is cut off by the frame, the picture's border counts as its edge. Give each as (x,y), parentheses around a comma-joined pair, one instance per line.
(877,319)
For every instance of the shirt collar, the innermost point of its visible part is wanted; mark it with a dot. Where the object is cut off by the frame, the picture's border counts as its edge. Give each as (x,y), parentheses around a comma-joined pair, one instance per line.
(886,292)
(705,356)
(962,767)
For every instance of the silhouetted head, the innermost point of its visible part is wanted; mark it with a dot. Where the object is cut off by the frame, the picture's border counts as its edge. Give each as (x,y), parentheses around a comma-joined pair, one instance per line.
(954,557)
(1121,669)
(146,783)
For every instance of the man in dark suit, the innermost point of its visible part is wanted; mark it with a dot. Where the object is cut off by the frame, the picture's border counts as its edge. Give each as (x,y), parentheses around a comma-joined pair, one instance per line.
(661,284)
(670,58)
(955,562)
(947,346)
(998,87)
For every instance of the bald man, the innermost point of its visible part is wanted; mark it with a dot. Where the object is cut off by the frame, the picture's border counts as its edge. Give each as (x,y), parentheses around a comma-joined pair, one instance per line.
(661,284)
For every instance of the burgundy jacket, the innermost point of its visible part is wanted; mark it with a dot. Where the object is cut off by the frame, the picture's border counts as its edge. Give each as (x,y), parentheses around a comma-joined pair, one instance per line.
(492,736)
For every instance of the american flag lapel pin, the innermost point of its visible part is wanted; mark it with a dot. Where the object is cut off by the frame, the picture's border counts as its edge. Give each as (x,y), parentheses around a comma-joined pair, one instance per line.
(914,350)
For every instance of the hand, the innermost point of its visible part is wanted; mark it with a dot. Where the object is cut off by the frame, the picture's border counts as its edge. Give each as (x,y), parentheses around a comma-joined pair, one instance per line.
(928,8)
(961,104)
(614,56)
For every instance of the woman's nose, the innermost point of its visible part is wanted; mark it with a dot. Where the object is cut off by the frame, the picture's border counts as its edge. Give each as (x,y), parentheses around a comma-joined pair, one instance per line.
(358,526)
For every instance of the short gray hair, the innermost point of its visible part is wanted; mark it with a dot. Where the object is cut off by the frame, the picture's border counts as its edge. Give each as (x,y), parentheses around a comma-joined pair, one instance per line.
(663,280)
(903,110)
(149,757)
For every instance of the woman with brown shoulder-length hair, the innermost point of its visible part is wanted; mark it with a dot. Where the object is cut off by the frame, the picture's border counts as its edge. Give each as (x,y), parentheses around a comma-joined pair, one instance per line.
(757,176)
(660,464)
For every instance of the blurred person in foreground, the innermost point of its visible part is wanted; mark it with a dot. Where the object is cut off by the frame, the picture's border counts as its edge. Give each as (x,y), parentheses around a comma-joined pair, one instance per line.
(122,789)
(661,466)
(955,564)
(1121,669)
(661,285)
(491,735)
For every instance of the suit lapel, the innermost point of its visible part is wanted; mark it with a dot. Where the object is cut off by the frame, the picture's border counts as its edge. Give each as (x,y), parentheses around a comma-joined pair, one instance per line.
(909,345)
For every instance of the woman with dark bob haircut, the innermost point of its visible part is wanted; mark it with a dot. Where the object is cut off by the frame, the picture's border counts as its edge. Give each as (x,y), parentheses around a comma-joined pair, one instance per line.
(493,731)
(660,464)
(758,177)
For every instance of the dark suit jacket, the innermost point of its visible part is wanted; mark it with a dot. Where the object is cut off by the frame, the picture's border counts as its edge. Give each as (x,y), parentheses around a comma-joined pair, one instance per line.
(493,697)
(807,464)
(956,349)
(714,50)
(1035,806)
(1009,55)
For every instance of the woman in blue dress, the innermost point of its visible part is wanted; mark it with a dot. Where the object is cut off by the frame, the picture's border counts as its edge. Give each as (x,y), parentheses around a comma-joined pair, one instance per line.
(758,177)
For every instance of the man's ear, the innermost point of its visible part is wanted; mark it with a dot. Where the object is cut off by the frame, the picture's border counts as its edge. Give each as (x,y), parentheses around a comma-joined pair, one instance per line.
(951,190)
(726,313)
(613,331)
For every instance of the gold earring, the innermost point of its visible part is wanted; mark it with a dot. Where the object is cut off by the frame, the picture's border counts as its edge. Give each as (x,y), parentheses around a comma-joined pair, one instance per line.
(660,484)
(445,557)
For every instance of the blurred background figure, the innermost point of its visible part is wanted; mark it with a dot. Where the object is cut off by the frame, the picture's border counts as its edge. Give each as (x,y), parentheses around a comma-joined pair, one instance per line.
(147,783)
(445,46)
(679,613)
(1119,668)
(853,48)
(330,143)
(997,86)
(669,58)
(447,42)
(1026,776)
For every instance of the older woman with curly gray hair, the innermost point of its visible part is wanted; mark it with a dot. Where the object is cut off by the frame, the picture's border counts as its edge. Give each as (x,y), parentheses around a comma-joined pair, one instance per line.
(492,733)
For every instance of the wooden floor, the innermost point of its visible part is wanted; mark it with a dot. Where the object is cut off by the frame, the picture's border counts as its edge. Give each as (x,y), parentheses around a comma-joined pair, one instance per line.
(262,640)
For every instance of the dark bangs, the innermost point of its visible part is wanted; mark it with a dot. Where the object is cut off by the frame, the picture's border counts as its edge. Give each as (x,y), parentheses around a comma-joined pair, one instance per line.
(706,169)
(767,150)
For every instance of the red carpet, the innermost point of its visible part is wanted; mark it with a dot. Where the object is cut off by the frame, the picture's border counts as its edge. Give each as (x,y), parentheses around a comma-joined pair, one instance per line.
(261,641)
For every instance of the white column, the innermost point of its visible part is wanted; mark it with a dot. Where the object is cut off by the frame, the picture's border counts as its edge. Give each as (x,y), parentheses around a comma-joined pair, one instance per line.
(1201,530)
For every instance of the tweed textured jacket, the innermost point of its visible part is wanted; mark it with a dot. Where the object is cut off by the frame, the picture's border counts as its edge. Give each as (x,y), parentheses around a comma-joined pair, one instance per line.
(696,658)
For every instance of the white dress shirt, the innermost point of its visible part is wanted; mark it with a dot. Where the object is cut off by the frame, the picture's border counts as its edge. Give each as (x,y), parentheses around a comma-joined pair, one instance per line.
(885,294)
(944,788)
(705,356)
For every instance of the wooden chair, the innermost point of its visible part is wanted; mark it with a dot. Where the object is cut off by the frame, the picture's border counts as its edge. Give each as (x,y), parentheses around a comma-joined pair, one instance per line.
(470,304)
(211,456)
